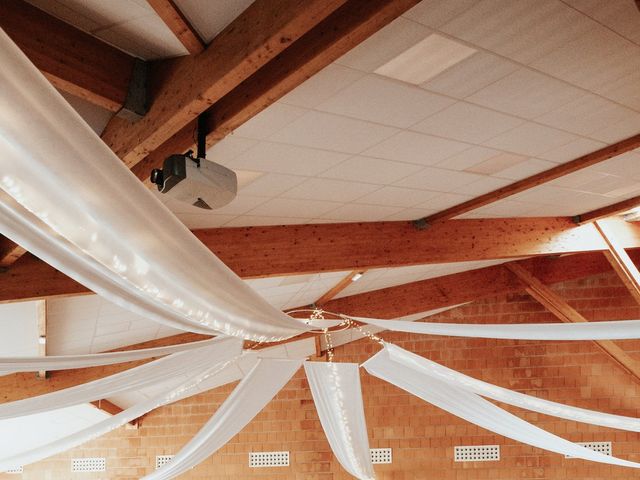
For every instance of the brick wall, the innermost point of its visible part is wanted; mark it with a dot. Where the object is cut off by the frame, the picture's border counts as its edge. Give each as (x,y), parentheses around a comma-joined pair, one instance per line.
(422,436)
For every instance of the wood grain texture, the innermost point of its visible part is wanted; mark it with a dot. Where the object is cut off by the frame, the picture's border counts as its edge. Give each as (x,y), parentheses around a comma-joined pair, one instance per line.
(71,59)
(329,40)
(192,84)
(561,170)
(173,18)
(9,252)
(608,211)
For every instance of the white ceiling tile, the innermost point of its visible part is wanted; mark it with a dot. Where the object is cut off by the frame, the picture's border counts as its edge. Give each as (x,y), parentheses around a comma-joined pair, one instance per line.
(467,158)
(416,148)
(322,86)
(384,45)
(623,88)
(296,208)
(485,185)
(471,75)
(397,197)
(506,208)
(621,16)
(625,165)
(333,132)
(287,159)
(371,170)
(438,180)
(496,164)
(95,116)
(515,29)
(229,148)
(271,185)
(587,114)
(19,329)
(525,93)
(444,200)
(269,121)
(572,150)
(329,189)
(385,101)
(261,220)
(196,220)
(434,13)
(208,17)
(577,179)
(530,139)
(467,122)
(245,177)
(619,131)
(529,167)
(410,214)
(357,212)
(67,14)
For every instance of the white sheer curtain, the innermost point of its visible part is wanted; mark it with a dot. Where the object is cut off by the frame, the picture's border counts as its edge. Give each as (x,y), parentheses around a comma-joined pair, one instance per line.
(475,409)
(607,330)
(338,398)
(251,395)
(64,362)
(75,205)
(200,376)
(152,373)
(510,397)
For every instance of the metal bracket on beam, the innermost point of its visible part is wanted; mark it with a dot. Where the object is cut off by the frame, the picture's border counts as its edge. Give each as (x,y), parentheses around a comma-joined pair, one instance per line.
(577,219)
(136,105)
(420,224)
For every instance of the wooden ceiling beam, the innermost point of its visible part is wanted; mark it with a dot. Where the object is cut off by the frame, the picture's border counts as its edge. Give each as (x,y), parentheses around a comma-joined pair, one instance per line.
(190,85)
(620,259)
(566,313)
(74,61)
(254,252)
(339,287)
(608,211)
(9,252)
(561,170)
(347,27)
(179,25)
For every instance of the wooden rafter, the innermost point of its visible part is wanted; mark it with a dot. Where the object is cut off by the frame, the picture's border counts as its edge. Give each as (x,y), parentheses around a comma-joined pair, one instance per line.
(329,40)
(173,18)
(619,259)
(254,252)
(608,211)
(9,252)
(71,59)
(561,170)
(190,85)
(566,313)
(339,287)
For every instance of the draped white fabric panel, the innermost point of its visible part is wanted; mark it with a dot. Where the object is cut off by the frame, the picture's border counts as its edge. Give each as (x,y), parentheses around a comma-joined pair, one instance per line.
(338,398)
(85,213)
(608,330)
(139,377)
(63,362)
(255,390)
(475,409)
(510,397)
(213,375)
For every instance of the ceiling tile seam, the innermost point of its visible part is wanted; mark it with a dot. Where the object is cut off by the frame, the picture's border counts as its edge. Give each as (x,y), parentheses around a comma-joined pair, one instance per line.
(480,48)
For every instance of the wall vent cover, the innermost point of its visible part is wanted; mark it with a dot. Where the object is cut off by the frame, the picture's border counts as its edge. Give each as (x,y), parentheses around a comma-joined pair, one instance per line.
(476,453)
(381,455)
(162,460)
(268,459)
(602,447)
(14,470)
(89,464)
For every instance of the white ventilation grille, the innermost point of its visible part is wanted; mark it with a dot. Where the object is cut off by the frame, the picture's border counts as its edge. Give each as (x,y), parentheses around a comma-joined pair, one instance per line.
(381,455)
(14,470)
(162,460)
(89,464)
(477,453)
(602,447)
(268,459)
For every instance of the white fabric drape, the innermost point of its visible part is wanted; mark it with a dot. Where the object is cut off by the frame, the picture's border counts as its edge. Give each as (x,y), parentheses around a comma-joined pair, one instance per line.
(63,362)
(338,398)
(255,390)
(146,375)
(607,330)
(510,397)
(475,409)
(211,375)
(78,207)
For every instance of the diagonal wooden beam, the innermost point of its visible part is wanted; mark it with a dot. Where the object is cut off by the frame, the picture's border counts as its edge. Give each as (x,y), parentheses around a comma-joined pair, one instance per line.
(608,211)
(254,252)
(9,252)
(566,313)
(619,259)
(71,59)
(339,287)
(173,18)
(567,168)
(192,84)
(329,40)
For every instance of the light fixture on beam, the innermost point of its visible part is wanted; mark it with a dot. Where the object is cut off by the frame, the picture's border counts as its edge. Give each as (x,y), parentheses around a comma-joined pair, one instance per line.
(356,276)
(42,340)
